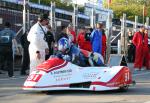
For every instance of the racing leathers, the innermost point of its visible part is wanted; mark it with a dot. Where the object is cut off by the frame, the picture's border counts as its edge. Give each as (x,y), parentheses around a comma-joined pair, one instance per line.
(37,45)
(76,56)
(73,54)
(96,59)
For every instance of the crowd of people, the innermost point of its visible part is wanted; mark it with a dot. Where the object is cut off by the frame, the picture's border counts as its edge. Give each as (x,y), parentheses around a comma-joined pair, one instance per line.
(139,49)
(40,44)
(142,49)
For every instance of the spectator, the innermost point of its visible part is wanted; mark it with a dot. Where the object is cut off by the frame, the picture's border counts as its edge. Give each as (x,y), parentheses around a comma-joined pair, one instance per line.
(96,38)
(103,43)
(131,48)
(146,50)
(50,41)
(88,34)
(38,47)
(26,61)
(149,51)
(83,41)
(6,53)
(71,33)
(63,33)
(140,40)
(149,41)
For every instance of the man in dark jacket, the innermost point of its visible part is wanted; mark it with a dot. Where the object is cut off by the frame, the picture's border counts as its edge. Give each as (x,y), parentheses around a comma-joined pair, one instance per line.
(50,40)
(6,53)
(26,61)
(131,48)
(63,33)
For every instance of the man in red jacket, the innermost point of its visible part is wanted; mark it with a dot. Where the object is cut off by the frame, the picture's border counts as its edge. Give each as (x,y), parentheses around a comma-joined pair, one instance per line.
(149,52)
(140,40)
(146,51)
(103,43)
(82,42)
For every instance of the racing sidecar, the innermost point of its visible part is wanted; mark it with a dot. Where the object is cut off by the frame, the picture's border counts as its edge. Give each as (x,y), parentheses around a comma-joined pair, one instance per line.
(58,74)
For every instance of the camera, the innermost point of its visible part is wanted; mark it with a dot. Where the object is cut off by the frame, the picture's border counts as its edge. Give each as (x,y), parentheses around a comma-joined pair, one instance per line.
(87,36)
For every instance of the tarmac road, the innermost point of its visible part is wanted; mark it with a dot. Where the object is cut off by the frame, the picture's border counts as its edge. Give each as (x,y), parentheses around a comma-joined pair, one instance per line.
(11,92)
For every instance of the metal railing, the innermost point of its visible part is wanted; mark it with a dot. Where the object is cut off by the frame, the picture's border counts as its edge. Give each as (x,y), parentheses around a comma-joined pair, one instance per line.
(17,47)
(115,37)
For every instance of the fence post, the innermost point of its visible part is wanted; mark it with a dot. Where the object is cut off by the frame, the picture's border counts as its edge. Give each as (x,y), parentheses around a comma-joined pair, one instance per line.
(92,21)
(123,35)
(52,17)
(24,16)
(147,22)
(135,24)
(75,17)
(109,33)
(28,15)
(119,47)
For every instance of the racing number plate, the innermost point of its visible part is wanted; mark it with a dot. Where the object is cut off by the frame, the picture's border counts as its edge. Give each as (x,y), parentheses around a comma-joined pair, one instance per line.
(34,77)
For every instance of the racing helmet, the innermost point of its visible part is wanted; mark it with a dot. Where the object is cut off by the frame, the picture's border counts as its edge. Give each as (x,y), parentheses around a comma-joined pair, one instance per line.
(63,45)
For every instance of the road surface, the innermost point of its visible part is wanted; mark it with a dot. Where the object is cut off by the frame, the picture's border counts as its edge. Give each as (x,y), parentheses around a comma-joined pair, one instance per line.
(11,92)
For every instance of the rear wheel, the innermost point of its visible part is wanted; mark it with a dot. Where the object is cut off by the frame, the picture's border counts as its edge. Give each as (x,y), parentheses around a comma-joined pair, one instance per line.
(124,88)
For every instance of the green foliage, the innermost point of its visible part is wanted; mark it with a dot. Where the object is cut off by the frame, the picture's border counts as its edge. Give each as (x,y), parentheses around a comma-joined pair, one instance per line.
(130,7)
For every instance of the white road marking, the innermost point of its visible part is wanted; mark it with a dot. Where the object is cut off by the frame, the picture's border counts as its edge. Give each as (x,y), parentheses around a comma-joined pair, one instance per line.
(147,102)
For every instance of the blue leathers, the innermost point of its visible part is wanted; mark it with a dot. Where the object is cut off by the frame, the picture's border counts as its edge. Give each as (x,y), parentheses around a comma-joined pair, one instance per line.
(70,52)
(96,41)
(72,55)
(96,59)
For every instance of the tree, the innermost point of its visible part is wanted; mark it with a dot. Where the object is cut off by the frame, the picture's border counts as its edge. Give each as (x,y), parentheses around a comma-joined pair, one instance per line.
(130,7)
(66,1)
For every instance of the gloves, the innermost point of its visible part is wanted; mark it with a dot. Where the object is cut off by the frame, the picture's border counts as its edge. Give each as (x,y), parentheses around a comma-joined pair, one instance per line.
(66,57)
(95,58)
